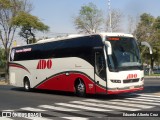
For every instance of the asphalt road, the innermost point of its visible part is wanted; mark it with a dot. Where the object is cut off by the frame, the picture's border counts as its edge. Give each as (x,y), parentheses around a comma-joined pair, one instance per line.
(152,85)
(62,105)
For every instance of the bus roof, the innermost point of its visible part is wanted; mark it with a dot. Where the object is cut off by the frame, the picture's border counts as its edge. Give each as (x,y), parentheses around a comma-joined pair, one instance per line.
(78,35)
(81,35)
(116,34)
(61,38)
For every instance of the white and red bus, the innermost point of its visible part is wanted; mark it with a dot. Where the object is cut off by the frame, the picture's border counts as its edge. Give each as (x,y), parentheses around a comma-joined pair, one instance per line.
(106,63)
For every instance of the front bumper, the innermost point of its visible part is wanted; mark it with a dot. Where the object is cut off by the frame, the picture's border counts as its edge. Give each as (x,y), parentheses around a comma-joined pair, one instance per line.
(125,90)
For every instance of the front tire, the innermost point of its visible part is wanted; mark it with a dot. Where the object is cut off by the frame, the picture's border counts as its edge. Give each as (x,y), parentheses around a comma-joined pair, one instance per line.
(80,88)
(27,85)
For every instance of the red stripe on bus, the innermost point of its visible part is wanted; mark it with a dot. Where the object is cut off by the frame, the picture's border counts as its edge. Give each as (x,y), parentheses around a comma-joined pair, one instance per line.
(19,66)
(65,82)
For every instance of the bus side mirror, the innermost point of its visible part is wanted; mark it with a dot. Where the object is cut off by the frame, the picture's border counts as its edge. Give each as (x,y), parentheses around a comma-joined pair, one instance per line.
(109,47)
(147,45)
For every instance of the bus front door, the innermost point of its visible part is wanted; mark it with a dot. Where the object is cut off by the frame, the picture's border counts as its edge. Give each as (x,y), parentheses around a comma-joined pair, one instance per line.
(100,72)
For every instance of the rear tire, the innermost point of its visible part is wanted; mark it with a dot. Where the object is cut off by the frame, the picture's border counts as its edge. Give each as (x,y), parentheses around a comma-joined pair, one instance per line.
(80,88)
(27,85)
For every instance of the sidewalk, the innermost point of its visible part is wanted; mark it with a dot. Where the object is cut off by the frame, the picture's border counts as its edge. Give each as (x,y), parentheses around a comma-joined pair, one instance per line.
(2,82)
(151,76)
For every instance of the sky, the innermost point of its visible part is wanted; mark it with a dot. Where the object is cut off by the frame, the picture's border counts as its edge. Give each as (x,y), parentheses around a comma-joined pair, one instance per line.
(59,14)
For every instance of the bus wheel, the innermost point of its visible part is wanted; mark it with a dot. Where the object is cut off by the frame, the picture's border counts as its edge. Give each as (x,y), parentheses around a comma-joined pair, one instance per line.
(27,85)
(80,88)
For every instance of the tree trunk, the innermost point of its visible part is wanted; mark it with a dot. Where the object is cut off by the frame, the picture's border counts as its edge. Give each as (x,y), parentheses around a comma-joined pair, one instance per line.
(7,65)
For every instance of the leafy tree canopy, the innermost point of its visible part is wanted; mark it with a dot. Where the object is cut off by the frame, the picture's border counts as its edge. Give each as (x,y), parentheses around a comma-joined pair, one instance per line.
(148,30)
(29,24)
(89,19)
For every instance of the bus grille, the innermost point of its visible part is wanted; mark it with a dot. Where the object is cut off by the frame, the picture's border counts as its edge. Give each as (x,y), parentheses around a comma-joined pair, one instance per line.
(130,81)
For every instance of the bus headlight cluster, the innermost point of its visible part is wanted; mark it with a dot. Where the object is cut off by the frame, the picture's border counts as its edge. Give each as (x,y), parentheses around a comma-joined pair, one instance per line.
(116,81)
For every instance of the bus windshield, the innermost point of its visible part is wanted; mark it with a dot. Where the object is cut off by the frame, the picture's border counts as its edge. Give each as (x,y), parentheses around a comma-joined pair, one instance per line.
(125,54)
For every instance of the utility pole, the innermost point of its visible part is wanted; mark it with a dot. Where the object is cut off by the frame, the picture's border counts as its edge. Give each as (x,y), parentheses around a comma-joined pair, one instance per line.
(110,16)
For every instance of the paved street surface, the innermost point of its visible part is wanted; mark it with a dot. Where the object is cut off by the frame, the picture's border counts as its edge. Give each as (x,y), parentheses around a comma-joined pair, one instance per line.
(65,106)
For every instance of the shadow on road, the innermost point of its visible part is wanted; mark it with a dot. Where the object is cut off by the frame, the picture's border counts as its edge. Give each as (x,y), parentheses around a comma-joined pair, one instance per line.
(71,94)
(51,92)
(147,90)
(20,89)
(151,89)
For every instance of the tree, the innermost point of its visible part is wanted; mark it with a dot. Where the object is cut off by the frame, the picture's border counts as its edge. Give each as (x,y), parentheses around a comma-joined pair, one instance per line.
(116,20)
(29,24)
(156,28)
(148,30)
(89,19)
(2,59)
(8,10)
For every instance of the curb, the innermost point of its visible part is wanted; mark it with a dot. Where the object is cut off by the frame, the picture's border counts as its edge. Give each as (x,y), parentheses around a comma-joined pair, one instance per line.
(151,76)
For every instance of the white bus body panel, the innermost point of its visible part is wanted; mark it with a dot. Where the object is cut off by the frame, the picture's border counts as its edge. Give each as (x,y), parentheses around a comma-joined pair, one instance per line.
(58,65)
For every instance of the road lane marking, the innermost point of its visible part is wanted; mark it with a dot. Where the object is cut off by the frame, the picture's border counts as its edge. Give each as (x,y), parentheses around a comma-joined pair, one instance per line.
(150,98)
(38,118)
(75,118)
(57,108)
(120,103)
(106,106)
(132,101)
(82,107)
(32,109)
(5,118)
(148,95)
(141,99)
(8,110)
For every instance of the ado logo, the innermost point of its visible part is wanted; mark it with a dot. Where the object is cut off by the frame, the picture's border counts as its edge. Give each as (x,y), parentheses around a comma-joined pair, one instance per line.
(131,76)
(43,64)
